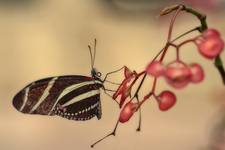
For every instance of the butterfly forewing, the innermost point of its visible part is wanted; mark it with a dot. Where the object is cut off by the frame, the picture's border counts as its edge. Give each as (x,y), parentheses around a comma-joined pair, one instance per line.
(44,96)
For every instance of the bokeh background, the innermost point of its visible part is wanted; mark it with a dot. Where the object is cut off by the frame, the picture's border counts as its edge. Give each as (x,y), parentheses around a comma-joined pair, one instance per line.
(42,38)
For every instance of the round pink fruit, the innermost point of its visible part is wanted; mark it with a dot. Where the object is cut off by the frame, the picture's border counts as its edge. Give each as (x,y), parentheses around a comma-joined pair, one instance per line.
(211,33)
(177,74)
(166,100)
(127,112)
(197,73)
(211,47)
(155,69)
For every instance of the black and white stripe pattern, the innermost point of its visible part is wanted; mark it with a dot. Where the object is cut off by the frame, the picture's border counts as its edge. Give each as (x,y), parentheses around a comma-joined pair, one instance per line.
(71,97)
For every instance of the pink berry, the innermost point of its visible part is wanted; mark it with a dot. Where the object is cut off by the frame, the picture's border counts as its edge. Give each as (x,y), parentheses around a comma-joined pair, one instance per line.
(177,74)
(210,47)
(127,112)
(197,73)
(211,33)
(155,69)
(166,100)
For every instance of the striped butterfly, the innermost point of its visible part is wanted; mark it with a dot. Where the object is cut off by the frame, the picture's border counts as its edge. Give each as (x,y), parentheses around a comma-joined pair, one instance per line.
(73,97)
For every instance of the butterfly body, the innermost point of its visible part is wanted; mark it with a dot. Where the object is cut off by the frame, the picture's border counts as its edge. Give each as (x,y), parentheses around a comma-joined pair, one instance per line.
(73,97)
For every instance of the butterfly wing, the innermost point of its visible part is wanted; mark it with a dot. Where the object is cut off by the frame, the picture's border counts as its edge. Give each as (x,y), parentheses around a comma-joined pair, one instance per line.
(42,96)
(84,109)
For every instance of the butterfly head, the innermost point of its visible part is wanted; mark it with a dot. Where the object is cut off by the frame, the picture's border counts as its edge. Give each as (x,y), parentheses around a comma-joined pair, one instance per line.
(95,73)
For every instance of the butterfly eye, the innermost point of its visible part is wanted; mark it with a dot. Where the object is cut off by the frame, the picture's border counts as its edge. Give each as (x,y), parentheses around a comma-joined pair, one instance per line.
(99,74)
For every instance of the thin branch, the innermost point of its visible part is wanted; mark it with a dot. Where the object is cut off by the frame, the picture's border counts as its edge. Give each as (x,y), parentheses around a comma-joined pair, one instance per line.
(202,18)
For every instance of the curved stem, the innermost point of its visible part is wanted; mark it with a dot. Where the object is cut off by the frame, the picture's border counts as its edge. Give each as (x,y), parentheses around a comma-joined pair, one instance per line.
(185,33)
(185,42)
(113,133)
(145,98)
(139,122)
(219,65)
(202,18)
(139,87)
(178,54)
(161,59)
(172,22)
(154,85)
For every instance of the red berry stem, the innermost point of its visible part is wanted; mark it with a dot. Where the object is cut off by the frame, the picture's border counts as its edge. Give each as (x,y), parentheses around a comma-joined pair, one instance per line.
(178,74)
(185,33)
(177,50)
(169,43)
(202,18)
(144,99)
(203,27)
(145,74)
(154,82)
(185,42)
(137,77)
(219,65)
(162,52)
(180,7)
(178,54)
(154,85)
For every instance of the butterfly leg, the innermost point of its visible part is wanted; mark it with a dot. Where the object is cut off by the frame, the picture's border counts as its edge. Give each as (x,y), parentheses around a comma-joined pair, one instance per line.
(109,73)
(113,133)
(106,92)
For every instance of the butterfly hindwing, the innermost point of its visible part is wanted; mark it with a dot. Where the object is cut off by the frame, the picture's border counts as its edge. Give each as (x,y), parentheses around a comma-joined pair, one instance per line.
(84,109)
(42,96)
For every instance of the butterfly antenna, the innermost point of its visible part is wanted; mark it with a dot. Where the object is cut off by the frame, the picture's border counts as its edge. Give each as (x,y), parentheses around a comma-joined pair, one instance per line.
(92,65)
(95,44)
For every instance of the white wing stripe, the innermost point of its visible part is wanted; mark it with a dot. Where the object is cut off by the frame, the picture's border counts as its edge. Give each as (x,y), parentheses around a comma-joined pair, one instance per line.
(76,86)
(81,97)
(71,88)
(45,94)
(25,98)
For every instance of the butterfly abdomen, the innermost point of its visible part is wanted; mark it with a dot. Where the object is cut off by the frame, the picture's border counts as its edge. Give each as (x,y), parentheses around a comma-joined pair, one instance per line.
(44,96)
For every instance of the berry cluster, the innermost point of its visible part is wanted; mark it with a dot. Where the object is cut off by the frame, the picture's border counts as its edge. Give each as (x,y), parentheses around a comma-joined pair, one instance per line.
(177,73)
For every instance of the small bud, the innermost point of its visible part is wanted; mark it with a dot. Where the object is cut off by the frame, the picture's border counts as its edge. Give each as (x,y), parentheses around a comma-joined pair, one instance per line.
(170,9)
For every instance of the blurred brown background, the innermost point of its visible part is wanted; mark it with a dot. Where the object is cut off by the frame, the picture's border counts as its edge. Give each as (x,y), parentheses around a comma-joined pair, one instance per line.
(41,38)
